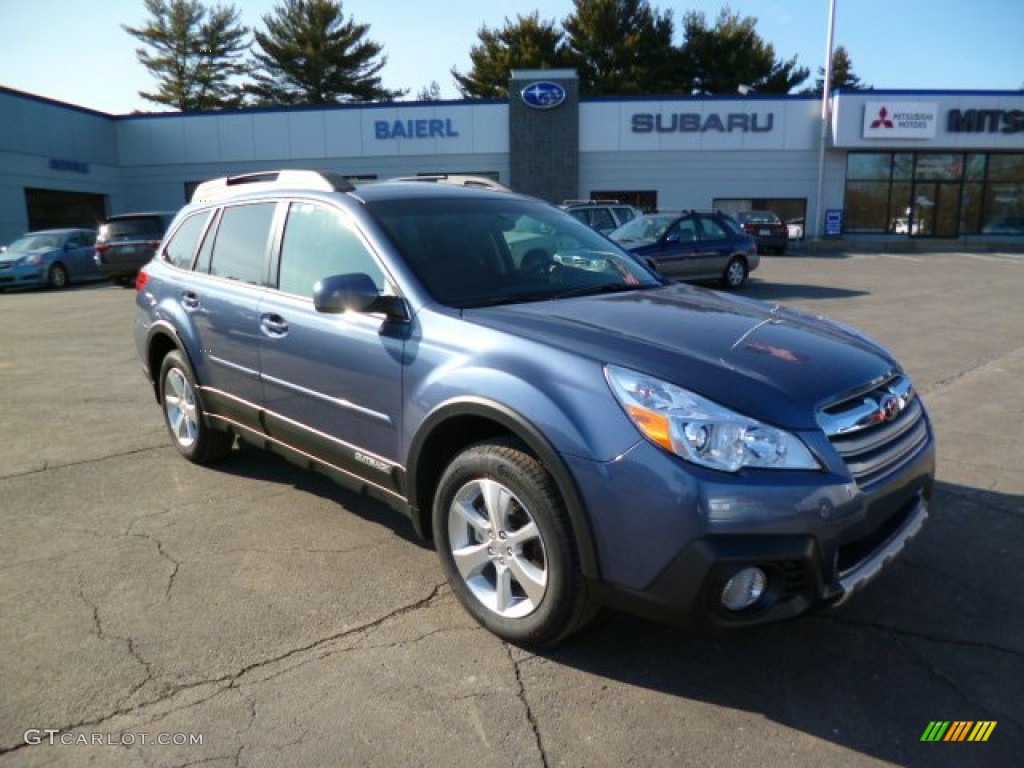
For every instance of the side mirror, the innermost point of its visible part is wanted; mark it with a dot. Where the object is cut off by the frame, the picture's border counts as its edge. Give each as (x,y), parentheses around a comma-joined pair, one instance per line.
(672,238)
(355,292)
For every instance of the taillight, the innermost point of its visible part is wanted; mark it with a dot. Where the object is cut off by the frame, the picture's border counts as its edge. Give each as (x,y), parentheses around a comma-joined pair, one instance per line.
(141,279)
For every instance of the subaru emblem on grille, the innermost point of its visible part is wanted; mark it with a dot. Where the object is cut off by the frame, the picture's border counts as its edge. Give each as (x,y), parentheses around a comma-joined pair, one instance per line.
(889,407)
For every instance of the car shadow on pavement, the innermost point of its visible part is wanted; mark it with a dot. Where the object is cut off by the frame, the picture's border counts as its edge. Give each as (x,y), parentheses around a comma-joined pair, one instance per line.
(773,291)
(939,636)
(250,462)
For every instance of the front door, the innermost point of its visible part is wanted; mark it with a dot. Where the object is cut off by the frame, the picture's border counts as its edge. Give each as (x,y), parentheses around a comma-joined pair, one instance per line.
(332,384)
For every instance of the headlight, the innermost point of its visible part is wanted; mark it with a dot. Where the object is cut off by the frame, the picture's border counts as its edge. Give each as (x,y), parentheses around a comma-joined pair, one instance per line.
(35,258)
(702,431)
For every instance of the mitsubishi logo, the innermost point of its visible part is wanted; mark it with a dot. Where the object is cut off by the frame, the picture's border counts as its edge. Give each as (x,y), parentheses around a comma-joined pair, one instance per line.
(883,120)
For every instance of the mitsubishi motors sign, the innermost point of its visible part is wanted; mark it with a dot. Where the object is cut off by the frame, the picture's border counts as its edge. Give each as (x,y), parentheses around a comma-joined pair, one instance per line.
(900,120)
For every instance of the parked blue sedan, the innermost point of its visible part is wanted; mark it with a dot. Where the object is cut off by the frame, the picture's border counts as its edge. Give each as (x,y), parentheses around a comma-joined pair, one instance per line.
(50,257)
(691,245)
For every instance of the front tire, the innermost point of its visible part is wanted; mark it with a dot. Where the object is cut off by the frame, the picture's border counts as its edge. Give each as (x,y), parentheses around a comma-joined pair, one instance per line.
(507,547)
(57,277)
(184,417)
(735,273)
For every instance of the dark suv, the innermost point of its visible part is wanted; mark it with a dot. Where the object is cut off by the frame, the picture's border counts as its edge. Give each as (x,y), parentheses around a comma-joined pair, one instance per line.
(127,241)
(569,428)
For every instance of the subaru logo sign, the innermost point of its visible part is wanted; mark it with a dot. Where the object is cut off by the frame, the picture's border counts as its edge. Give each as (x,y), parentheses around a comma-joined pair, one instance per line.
(543,95)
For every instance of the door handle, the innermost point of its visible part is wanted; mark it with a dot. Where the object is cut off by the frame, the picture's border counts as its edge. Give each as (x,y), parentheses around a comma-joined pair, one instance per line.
(190,300)
(274,325)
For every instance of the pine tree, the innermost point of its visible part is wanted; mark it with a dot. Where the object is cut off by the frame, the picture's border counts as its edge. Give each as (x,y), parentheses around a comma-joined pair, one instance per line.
(731,54)
(194,52)
(622,47)
(526,43)
(310,54)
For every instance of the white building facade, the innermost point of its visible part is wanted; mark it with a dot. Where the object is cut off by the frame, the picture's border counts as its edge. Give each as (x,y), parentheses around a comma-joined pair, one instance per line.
(895,164)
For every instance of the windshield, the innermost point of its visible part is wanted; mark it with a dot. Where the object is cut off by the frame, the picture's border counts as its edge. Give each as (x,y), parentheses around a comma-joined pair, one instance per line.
(42,242)
(490,251)
(648,228)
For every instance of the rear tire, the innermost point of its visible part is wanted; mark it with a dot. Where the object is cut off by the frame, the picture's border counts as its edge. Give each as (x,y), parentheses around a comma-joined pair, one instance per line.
(507,547)
(184,417)
(57,277)
(735,272)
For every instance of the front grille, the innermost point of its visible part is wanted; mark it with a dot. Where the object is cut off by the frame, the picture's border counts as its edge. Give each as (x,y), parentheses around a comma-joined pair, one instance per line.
(877,431)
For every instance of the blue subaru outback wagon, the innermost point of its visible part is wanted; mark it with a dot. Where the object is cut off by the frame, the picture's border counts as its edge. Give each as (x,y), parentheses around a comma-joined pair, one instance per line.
(571,429)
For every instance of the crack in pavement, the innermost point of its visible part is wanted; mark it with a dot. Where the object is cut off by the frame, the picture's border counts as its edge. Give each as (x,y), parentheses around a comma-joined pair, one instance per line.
(95,460)
(530,717)
(129,643)
(960,375)
(906,633)
(226,682)
(981,499)
(901,638)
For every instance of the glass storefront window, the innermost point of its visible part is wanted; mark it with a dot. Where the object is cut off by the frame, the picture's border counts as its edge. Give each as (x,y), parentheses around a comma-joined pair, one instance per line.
(867,204)
(939,166)
(970,209)
(869,165)
(903,166)
(1006,168)
(975,170)
(940,194)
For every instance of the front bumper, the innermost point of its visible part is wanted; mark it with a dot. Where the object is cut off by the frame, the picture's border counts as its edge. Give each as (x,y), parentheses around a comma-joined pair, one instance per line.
(14,275)
(670,536)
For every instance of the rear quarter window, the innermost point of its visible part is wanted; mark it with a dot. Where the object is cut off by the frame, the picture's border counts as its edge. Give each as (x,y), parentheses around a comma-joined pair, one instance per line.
(182,246)
(240,249)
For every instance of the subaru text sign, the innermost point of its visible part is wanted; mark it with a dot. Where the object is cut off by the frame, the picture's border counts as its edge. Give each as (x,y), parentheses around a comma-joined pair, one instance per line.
(543,95)
(900,120)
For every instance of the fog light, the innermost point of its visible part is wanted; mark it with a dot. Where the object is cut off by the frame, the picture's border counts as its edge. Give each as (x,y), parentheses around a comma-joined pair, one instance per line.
(744,589)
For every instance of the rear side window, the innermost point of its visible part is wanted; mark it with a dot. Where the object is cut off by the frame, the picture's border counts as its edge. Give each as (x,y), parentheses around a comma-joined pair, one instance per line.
(712,229)
(319,243)
(241,245)
(183,244)
(133,228)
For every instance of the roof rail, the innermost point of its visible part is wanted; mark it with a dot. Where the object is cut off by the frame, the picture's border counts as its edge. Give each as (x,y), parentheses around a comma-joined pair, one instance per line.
(225,186)
(456,179)
(591,202)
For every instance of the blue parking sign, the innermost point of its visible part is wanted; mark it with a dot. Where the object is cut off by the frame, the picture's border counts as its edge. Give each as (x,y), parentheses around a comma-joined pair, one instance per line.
(834,221)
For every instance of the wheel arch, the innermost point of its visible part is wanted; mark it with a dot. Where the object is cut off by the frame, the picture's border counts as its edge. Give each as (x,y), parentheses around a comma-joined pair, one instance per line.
(457,424)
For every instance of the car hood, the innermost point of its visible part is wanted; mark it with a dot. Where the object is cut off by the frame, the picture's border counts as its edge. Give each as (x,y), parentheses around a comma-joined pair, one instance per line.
(9,256)
(778,365)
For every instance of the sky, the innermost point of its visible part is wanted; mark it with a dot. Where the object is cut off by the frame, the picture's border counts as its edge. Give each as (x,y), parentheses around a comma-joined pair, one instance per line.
(77,52)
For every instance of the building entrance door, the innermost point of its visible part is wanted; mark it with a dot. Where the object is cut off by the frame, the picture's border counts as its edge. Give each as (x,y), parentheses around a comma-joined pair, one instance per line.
(936,209)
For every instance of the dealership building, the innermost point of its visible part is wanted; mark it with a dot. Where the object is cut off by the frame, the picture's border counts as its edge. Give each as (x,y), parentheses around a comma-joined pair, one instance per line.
(886,164)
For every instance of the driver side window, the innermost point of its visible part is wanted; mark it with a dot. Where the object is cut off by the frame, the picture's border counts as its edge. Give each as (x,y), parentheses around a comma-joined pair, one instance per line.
(318,242)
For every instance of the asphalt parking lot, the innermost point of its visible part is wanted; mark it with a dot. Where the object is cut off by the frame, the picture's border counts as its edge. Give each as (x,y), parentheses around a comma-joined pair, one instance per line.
(282,621)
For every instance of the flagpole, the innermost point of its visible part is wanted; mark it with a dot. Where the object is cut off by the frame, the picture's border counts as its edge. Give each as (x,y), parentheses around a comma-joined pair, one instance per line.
(819,214)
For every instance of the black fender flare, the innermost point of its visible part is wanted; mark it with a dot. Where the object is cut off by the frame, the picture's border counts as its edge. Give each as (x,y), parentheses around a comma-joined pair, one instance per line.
(515,423)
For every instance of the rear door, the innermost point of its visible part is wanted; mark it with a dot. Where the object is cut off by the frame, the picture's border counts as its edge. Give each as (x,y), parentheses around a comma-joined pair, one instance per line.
(80,254)
(714,249)
(222,303)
